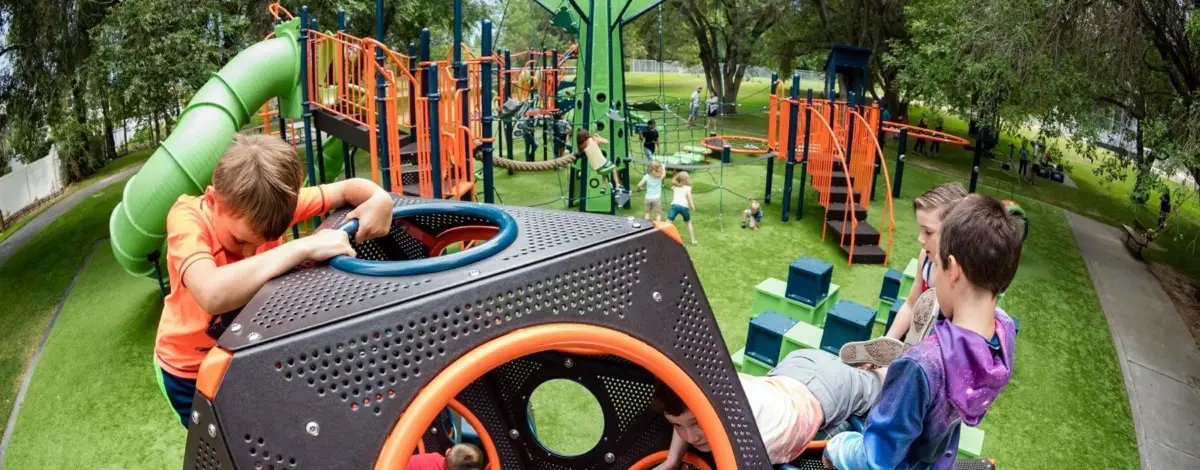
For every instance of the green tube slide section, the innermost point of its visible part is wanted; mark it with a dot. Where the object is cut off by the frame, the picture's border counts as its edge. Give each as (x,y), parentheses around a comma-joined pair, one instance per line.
(331,149)
(185,161)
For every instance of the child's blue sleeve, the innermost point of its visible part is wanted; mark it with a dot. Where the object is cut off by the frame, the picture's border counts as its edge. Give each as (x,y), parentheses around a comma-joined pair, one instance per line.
(894,423)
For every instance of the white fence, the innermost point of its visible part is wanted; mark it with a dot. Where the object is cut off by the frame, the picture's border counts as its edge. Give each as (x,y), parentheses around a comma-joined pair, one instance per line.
(645,65)
(30,183)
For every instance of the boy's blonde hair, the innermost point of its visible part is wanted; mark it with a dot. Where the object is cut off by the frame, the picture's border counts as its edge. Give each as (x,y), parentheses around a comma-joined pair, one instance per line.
(940,198)
(657,170)
(464,457)
(681,179)
(259,180)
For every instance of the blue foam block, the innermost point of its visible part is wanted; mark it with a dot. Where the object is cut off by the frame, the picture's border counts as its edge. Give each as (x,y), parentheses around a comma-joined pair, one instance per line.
(891,285)
(766,336)
(808,280)
(846,322)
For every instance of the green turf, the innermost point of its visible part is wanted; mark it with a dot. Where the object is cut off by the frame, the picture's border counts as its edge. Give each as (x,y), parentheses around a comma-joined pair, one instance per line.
(94,389)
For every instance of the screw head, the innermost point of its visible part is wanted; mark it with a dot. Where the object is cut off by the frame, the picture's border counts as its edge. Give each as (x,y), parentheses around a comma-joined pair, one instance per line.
(433,430)
(609,457)
(513,434)
(196,417)
(212,430)
(637,225)
(902,157)
(236,327)
(568,363)
(312,428)
(253,336)
(474,273)
(657,297)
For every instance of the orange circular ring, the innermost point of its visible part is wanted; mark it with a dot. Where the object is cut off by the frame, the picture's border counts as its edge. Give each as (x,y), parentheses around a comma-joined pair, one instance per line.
(489,447)
(661,456)
(721,138)
(519,343)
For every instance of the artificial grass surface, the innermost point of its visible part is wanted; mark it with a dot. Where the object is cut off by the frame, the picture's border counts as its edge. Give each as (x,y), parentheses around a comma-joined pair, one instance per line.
(1066,407)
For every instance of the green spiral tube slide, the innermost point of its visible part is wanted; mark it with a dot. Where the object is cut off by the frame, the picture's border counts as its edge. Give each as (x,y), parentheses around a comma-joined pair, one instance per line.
(185,161)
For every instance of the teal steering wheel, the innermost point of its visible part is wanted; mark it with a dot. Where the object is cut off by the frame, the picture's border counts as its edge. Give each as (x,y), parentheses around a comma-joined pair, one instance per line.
(506,234)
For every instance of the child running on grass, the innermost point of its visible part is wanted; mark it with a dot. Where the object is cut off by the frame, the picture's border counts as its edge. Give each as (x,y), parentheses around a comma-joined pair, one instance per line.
(956,373)
(459,457)
(682,203)
(222,247)
(652,181)
(908,329)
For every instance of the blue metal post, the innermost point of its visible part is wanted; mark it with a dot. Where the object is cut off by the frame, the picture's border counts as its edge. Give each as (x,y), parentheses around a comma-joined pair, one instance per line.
(347,157)
(341,20)
(320,157)
(770,161)
(435,153)
(385,176)
(880,138)
(424,54)
(485,83)
(506,80)
(901,147)
(789,172)
(308,138)
(460,71)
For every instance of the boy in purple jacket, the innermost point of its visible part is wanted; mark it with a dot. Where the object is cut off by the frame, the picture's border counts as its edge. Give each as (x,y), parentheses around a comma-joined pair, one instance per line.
(956,373)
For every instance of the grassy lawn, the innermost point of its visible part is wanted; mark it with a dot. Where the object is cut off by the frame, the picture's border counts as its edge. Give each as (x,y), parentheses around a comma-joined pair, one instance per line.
(112,168)
(1065,408)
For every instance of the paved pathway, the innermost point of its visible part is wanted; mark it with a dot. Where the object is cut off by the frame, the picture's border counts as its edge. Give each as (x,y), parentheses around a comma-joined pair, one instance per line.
(35,226)
(1158,357)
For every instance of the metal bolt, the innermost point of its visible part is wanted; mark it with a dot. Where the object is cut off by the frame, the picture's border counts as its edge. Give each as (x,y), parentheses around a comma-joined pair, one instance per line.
(253,337)
(568,363)
(312,428)
(513,434)
(637,225)
(474,273)
(196,417)
(902,157)
(236,327)
(609,457)
(657,296)
(212,430)
(433,430)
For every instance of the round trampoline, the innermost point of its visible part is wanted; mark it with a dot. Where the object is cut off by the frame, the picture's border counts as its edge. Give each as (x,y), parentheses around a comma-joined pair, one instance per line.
(737,144)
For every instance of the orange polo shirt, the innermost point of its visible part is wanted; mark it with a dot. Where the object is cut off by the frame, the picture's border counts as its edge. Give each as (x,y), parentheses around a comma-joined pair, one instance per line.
(186,331)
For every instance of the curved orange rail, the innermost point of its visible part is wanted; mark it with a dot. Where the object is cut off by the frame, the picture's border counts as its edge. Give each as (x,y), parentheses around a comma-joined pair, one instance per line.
(519,343)
(656,458)
(840,153)
(890,221)
(923,133)
(489,447)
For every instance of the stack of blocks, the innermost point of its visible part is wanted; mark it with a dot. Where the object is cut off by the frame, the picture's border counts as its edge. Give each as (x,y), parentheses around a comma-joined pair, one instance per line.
(790,315)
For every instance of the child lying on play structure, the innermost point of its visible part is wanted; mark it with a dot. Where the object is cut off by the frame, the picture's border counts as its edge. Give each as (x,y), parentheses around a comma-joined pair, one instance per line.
(956,373)
(459,457)
(809,391)
(222,247)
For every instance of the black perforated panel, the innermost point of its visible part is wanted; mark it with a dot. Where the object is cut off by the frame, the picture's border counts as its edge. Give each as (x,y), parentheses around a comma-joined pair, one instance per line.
(205,450)
(391,341)
(206,458)
(265,455)
(318,295)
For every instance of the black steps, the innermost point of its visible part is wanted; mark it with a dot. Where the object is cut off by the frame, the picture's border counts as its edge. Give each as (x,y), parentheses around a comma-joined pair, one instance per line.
(864,233)
(348,131)
(837,211)
(866,254)
(838,195)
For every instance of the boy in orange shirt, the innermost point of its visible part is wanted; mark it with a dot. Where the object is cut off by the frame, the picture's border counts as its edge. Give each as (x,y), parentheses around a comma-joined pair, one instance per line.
(222,247)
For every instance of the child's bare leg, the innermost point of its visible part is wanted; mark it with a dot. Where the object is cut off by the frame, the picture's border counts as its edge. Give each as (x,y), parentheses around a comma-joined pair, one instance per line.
(691,232)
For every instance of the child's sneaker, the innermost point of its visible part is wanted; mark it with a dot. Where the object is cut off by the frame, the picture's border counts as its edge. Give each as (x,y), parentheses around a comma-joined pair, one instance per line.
(880,352)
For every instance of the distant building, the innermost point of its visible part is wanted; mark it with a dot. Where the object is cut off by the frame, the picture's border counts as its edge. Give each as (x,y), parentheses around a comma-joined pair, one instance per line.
(1119,134)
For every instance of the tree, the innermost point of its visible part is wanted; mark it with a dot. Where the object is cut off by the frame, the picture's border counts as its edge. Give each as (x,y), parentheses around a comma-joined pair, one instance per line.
(727,32)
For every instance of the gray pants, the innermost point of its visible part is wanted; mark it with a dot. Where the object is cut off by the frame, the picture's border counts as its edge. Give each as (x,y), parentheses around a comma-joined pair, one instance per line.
(843,391)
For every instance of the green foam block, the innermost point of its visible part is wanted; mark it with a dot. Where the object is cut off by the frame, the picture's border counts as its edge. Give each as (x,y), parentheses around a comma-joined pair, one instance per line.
(801,336)
(970,441)
(739,358)
(770,294)
(752,366)
(881,312)
(910,276)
